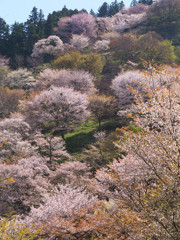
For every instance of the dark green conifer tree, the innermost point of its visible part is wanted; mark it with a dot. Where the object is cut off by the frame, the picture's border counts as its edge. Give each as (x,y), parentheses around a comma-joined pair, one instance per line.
(4,36)
(115,7)
(148,2)
(41,24)
(103,11)
(133,3)
(17,40)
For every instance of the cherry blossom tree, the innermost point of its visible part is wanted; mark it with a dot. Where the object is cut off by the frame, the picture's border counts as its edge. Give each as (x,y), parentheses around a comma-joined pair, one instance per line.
(13,147)
(16,124)
(50,147)
(81,23)
(63,29)
(21,78)
(28,186)
(48,47)
(104,25)
(14,133)
(137,9)
(60,212)
(59,107)
(75,173)
(121,22)
(79,41)
(4,61)
(145,182)
(122,83)
(110,35)
(101,45)
(79,80)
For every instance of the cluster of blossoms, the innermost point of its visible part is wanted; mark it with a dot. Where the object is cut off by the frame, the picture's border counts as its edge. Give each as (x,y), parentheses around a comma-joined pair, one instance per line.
(50,46)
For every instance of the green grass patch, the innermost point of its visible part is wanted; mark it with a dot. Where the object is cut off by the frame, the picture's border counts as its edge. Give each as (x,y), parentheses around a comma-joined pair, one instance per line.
(135,128)
(82,135)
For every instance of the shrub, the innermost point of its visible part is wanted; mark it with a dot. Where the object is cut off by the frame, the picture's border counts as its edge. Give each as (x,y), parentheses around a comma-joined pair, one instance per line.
(9,100)
(75,60)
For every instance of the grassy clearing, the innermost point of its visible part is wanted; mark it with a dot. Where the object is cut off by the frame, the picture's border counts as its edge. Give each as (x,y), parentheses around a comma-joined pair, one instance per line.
(83,134)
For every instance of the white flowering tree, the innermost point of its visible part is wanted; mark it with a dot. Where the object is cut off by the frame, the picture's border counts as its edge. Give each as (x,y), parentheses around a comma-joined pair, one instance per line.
(52,148)
(121,22)
(75,173)
(123,82)
(101,45)
(21,78)
(48,47)
(79,41)
(81,23)
(14,133)
(79,80)
(61,213)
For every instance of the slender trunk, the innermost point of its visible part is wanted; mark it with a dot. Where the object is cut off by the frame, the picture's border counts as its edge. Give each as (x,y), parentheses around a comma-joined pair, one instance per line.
(50,152)
(62,135)
(99,121)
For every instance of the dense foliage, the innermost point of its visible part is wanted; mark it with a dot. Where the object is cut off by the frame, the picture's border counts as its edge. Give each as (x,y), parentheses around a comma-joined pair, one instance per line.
(163,17)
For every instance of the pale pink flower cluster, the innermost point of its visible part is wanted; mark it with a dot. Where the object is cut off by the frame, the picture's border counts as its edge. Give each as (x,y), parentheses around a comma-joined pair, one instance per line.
(29,183)
(74,172)
(79,80)
(63,202)
(51,46)
(63,107)
(79,41)
(101,45)
(121,83)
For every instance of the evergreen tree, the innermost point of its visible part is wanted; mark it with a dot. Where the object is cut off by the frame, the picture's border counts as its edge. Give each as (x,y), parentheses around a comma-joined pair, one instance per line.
(148,2)
(41,24)
(17,40)
(92,13)
(33,17)
(121,5)
(4,35)
(103,11)
(34,28)
(133,3)
(115,7)
(48,26)
(31,29)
